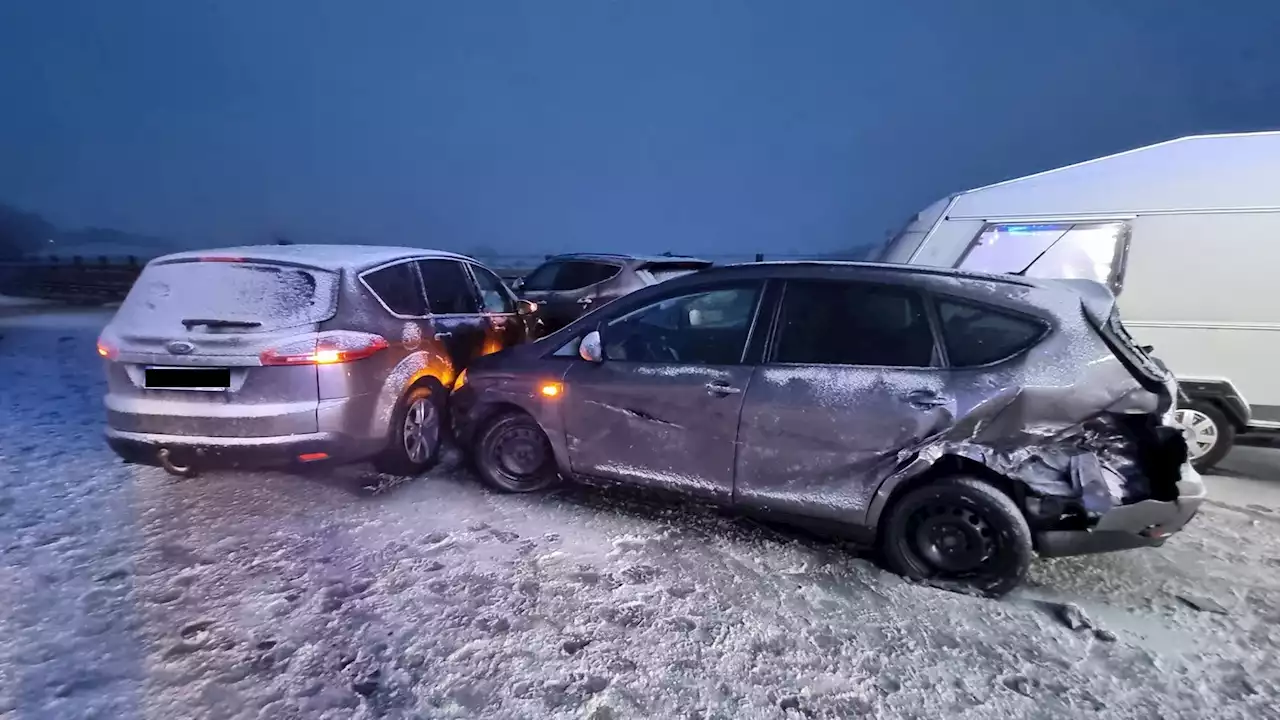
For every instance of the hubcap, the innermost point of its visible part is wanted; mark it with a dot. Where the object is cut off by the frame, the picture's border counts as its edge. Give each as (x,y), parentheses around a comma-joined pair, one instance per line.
(421,428)
(1199,430)
(952,539)
(521,452)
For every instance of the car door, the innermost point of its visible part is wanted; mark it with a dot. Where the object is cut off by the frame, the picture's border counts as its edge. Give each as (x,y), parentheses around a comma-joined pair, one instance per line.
(505,327)
(565,289)
(850,379)
(662,408)
(457,323)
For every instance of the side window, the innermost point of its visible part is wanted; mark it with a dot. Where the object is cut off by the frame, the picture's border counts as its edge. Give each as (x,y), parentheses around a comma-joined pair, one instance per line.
(494,297)
(707,328)
(577,275)
(449,290)
(977,336)
(544,277)
(851,323)
(397,286)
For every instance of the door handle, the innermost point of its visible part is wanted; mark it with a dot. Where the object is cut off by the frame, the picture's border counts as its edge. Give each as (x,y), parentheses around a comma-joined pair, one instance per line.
(443,335)
(927,398)
(716,388)
(585,301)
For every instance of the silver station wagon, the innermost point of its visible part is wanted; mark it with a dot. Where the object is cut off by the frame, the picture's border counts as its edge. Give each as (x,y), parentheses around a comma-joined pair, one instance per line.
(297,354)
(962,422)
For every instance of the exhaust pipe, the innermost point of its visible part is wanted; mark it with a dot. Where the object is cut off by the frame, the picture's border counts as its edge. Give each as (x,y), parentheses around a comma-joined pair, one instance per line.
(170,467)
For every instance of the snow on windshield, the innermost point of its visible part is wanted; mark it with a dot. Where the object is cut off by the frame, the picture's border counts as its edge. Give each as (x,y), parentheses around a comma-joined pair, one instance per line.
(275,296)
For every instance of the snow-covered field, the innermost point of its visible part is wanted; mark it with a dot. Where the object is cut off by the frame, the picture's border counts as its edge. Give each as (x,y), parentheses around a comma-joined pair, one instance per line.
(126,593)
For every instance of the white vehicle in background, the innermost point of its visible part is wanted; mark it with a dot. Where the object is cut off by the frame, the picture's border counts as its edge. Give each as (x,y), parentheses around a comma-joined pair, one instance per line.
(1186,232)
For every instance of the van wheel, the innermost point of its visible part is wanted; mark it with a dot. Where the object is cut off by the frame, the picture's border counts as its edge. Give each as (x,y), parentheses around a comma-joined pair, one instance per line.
(1208,432)
(513,455)
(958,529)
(414,446)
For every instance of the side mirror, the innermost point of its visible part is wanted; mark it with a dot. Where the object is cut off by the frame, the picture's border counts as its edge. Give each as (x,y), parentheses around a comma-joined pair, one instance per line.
(589,349)
(519,283)
(526,308)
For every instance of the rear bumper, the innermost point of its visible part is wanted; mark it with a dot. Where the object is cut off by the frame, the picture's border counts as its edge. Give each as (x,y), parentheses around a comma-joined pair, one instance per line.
(1143,524)
(240,453)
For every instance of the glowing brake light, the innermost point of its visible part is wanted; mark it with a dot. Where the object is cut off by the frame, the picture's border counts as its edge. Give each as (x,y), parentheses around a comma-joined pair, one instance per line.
(325,349)
(105,349)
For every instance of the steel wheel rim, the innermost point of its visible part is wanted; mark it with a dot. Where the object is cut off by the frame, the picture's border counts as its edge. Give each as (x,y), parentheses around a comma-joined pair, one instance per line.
(1199,430)
(420,429)
(520,453)
(952,539)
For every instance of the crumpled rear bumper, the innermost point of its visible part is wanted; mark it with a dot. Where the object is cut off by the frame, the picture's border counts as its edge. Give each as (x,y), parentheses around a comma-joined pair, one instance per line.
(1143,524)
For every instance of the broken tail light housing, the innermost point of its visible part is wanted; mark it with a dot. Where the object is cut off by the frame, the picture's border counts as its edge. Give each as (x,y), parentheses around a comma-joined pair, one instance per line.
(327,348)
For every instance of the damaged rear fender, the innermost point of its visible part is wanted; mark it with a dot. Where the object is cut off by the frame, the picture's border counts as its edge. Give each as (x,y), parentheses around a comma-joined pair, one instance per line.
(1066,480)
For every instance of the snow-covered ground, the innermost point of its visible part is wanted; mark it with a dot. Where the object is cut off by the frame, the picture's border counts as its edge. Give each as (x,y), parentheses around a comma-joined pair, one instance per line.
(125,593)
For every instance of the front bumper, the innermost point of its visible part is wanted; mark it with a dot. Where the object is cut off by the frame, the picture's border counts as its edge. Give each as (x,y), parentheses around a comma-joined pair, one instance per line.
(198,452)
(1143,524)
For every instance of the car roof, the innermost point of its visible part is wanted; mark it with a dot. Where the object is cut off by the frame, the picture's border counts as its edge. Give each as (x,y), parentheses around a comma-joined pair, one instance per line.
(773,268)
(621,257)
(328,257)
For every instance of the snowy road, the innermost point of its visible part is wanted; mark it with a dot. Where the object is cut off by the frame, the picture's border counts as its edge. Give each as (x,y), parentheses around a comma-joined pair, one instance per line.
(125,593)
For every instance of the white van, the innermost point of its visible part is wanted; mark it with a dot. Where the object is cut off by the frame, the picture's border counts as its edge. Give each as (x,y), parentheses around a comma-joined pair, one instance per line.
(1186,232)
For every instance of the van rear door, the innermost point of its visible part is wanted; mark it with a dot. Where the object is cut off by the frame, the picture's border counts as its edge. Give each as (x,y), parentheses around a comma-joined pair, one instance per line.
(186,349)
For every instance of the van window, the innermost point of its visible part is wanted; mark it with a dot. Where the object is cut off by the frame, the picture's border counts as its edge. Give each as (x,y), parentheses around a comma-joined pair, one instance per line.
(398,288)
(978,336)
(1088,251)
(273,296)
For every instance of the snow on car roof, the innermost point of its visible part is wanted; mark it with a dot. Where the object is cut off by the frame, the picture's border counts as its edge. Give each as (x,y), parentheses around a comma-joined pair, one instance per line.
(331,257)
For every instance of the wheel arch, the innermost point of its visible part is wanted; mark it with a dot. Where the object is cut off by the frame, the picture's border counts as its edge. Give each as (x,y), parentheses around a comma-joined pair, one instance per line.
(1222,394)
(482,416)
(948,465)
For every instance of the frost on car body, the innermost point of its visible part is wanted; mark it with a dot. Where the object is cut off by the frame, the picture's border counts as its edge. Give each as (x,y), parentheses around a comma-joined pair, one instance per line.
(303,354)
(835,393)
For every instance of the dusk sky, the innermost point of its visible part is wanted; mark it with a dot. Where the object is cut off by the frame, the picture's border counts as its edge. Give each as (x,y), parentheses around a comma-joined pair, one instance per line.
(543,126)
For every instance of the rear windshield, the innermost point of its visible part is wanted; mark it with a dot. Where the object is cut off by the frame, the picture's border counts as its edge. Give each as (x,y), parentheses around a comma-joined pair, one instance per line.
(661,272)
(260,296)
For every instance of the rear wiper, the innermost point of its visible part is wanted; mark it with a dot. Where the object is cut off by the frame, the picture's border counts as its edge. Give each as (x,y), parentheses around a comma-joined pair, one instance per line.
(214,322)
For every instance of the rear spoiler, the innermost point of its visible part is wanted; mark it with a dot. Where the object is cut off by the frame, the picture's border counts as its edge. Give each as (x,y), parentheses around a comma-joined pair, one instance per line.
(676,265)
(1097,299)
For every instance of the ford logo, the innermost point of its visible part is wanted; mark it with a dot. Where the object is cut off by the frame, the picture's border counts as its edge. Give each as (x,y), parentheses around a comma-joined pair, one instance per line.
(181,347)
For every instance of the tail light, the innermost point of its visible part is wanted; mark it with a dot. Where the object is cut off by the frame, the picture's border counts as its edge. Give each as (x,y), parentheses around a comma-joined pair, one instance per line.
(106,349)
(326,348)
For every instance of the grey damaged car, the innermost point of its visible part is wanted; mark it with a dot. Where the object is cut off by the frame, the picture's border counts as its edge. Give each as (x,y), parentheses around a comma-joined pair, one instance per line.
(962,422)
(268,356)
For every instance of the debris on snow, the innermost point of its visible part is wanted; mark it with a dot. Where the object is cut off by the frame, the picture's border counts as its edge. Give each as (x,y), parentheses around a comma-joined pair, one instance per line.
(1073,617)
(1202,603)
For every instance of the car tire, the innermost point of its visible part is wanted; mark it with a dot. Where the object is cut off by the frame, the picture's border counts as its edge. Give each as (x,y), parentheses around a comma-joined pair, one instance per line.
(1204,417)
(513,455)
(958,530)
(413,446)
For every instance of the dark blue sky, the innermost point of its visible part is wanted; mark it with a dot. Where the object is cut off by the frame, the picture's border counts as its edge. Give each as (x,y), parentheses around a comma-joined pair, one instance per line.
(692,125)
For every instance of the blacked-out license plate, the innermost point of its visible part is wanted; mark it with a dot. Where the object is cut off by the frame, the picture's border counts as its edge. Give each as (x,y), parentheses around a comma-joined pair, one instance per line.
(188,378)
